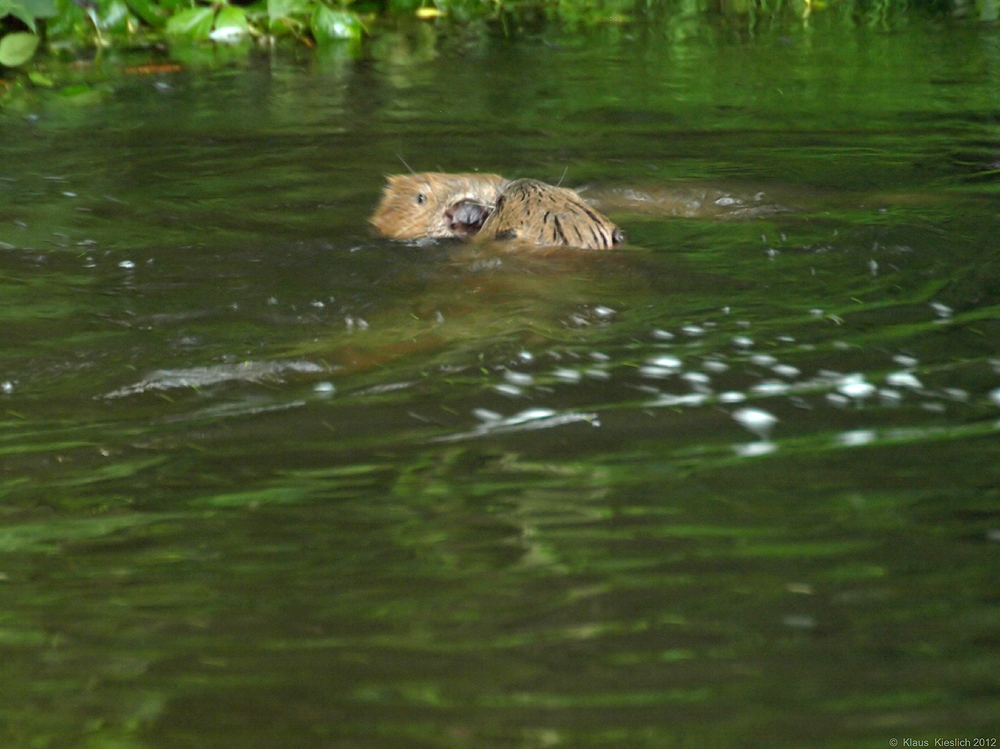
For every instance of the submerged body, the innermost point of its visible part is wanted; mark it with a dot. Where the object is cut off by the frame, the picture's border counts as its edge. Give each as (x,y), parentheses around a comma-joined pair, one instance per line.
(486,206)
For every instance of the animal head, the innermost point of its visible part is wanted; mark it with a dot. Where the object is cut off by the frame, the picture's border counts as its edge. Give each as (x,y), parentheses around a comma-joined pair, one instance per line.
(432,204)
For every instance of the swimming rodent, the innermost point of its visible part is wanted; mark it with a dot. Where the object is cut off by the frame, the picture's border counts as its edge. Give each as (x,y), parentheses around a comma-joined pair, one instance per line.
(436,205)
(536,213)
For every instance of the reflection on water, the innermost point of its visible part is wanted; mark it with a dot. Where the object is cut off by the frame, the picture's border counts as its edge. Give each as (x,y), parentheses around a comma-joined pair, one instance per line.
(271,481)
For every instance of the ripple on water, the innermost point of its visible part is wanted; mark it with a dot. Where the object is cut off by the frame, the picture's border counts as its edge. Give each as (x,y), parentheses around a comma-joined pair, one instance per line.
(199,377)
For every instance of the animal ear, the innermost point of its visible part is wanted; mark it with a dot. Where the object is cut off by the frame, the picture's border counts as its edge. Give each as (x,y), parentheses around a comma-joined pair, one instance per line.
(395,180)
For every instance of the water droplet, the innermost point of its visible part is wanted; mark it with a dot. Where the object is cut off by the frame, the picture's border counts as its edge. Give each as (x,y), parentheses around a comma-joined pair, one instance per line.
(903,380)
(941,310)
(696,378)
(666,362)
(856,438)
(518,378)
(890,397)
(770,387)
(753,449)
(756,420)
(567,375)
(855,386)
(656,373)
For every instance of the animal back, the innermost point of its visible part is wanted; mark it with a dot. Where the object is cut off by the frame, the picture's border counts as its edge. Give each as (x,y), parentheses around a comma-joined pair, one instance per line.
(536,213)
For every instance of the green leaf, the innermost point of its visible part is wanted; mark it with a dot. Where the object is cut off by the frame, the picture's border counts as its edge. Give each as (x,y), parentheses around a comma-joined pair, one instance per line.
(404,7)
(230,25)
(194,22)
(28,10)
(17,48)
(256,11)
(174,6)
(278,9)
(40,8)
(17,9)
(40,79)
(69,21)
(148,11)
(328,25)
(115,15)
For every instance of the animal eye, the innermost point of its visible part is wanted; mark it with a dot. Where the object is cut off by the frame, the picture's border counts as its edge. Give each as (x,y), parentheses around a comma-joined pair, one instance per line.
(421,198)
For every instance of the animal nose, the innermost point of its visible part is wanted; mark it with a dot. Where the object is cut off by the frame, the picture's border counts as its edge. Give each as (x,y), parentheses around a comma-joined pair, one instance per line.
(466,217)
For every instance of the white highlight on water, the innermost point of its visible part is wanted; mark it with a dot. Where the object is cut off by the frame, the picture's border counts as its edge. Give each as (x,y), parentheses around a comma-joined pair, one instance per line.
(903,380)
(756,420)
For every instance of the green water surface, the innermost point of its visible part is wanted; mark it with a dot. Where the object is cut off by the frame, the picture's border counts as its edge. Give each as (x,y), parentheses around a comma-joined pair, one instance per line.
(267,480)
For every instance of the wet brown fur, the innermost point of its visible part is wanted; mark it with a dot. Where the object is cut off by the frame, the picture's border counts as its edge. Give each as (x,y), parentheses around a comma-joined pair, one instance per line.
(419,206)
(536,213)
